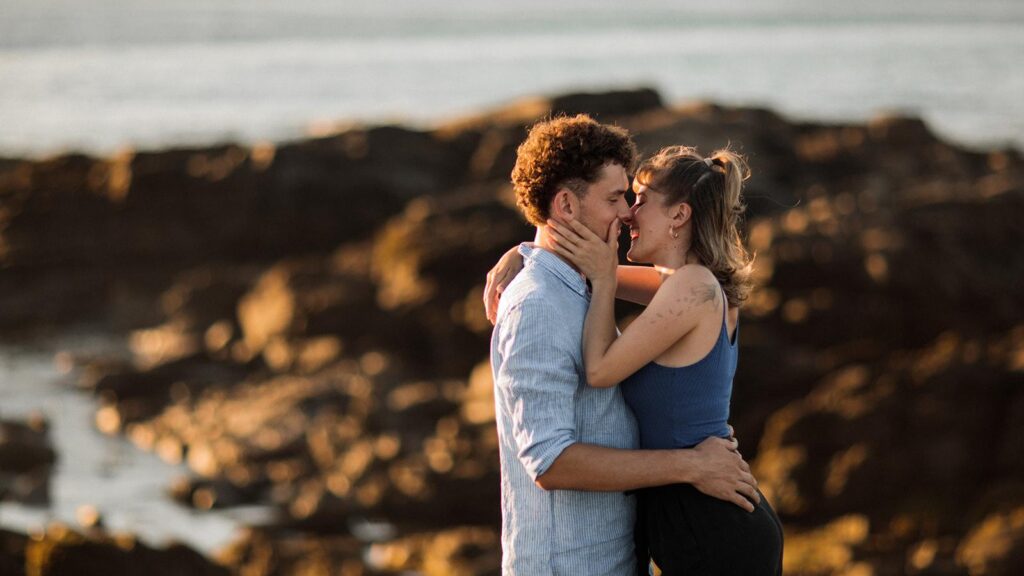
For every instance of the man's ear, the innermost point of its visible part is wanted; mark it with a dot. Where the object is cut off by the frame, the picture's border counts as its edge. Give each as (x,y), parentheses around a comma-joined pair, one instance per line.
(565,206)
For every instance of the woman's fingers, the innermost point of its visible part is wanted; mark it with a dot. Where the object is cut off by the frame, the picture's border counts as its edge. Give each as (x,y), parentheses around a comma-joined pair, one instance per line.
(496,282)
(563,236)
(559,240)
(498,278)
(613,234)
(490,290)
(573,231)
(562,251)
(592,255)
(582,231)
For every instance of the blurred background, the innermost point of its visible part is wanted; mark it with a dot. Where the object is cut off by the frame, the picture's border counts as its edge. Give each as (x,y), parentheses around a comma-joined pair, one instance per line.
(103,74)
(243,245)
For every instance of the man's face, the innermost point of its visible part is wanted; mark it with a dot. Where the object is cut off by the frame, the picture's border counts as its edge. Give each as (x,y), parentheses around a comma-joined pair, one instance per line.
(605,201)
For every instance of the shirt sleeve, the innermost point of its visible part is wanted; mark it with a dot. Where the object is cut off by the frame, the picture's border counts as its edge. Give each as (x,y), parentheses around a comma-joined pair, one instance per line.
(538,381)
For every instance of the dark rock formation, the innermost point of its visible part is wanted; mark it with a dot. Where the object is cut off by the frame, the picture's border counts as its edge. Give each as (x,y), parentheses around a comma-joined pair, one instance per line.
(423,262)
(461,551)
(62,551)
(12,553)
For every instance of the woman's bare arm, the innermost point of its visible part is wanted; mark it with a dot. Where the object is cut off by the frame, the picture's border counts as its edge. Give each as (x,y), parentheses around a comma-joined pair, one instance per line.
(636,284)
(684,298)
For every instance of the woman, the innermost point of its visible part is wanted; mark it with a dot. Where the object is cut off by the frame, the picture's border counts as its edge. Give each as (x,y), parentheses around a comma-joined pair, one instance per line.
(676,361)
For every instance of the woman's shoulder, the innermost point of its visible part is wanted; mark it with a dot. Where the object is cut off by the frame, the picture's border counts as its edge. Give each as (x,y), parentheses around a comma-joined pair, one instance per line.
(695,283)
(691,275)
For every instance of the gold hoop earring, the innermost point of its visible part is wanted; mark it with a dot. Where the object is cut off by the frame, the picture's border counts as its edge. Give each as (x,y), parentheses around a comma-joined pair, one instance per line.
(673,232)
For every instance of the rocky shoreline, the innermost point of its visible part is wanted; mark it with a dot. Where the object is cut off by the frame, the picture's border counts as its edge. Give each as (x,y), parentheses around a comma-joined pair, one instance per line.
(307,331)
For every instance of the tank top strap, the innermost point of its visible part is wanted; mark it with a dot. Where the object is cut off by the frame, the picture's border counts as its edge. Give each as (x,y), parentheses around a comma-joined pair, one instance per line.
(725,307)
(725,321)
(725,312)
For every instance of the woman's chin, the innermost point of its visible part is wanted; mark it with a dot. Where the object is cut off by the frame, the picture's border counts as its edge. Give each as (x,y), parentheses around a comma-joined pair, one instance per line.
(633,255)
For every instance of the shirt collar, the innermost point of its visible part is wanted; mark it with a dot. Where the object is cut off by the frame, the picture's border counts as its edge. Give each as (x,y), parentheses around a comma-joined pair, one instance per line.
(555,265)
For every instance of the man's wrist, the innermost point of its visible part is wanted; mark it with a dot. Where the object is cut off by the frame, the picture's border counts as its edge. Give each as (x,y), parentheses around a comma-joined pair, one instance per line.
(686,469)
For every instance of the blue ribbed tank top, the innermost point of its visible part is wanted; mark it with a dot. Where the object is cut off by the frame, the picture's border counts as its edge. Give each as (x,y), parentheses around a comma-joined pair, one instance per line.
(680,407)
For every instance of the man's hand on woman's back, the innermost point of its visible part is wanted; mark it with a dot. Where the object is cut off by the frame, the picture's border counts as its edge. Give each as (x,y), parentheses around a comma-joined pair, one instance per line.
(723,474)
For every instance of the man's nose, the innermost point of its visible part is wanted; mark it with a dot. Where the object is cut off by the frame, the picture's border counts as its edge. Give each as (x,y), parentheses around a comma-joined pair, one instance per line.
(627,219)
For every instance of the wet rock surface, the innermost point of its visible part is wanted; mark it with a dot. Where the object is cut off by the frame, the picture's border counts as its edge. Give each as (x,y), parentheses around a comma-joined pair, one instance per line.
(26,460)
(60,550)
(308,334)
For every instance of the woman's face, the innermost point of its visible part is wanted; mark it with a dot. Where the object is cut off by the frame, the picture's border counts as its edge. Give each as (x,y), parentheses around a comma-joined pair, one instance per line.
(650,232)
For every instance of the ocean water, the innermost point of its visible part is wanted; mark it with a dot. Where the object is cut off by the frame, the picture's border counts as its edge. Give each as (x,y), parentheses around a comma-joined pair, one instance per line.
(127,486)
(99,75)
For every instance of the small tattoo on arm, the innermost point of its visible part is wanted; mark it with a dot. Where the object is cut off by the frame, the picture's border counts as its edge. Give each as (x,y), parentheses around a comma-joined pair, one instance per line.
(685,303)
(706,293)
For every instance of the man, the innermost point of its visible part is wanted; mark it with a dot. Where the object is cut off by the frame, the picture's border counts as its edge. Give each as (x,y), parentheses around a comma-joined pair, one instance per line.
(568,451)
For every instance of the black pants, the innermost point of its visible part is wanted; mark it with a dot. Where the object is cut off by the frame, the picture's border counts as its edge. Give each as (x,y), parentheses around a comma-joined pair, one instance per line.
(689,533)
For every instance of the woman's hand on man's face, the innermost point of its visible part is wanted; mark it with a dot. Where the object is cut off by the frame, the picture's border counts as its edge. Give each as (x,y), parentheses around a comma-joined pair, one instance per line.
(597,259)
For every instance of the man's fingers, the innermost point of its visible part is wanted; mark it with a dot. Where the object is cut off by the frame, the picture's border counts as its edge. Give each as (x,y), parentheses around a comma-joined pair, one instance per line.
(731,444)
(750,492)
(740,501)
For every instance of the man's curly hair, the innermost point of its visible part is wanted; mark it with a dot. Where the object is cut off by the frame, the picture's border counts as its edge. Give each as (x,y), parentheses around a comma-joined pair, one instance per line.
(565,152)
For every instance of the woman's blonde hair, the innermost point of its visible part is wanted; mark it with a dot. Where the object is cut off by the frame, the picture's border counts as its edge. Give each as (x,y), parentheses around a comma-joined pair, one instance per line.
(713,187)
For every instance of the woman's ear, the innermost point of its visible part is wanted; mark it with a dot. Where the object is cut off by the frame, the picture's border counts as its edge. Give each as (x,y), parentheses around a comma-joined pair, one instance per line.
(682,214)
(565,206)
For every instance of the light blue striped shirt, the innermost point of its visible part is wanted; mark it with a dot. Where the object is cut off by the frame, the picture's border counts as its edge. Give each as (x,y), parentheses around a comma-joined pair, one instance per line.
(543,405)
